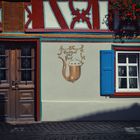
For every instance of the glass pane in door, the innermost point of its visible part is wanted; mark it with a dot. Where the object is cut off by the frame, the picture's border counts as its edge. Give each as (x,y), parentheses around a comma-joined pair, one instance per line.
(26,52)
(2,64)
(26,75)
(26,64)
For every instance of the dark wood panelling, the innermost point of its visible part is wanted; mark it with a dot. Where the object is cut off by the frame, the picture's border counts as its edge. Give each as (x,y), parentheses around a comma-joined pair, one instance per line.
(26,95)
(25,104)
(4,110)
(25,109)
(13,16)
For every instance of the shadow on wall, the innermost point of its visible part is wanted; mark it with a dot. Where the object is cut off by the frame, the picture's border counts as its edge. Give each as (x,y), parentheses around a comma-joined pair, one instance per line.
(2,108)
(125,114)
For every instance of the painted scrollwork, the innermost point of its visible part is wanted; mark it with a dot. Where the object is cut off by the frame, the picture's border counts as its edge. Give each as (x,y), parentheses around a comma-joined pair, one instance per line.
(80,15)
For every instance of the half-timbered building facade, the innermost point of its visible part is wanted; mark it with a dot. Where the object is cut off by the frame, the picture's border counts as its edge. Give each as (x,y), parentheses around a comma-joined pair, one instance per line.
(59,61)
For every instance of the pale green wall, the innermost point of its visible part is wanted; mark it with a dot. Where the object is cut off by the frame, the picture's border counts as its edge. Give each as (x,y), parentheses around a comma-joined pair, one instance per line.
(63,100)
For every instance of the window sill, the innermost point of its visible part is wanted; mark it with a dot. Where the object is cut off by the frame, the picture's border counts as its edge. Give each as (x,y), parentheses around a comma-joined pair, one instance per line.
(126,94)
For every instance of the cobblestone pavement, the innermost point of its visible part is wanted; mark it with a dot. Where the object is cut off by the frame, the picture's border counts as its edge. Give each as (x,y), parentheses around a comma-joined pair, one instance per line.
(102,130)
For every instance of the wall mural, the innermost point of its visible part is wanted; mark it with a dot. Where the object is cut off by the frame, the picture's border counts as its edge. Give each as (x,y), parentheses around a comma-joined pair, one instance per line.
(73,58)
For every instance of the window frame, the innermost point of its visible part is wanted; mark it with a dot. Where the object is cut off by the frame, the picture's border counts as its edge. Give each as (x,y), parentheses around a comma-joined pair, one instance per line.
(127,64)
(124,93)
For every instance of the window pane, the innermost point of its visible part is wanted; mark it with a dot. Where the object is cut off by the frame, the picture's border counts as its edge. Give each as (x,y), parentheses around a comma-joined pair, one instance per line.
(25,63)
(2,62)
(2,51)
(26,52)
(133,83)
(122,71)
(122,83)
(133,58)
(2,74)
(26,75)
(132,70)
(122,58)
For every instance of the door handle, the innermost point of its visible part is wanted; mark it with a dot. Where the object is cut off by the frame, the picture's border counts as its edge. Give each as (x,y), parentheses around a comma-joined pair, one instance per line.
(15,84)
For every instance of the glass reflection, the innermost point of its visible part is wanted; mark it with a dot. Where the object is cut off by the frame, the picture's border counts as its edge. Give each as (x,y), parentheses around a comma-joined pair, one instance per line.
(132,58)
(133,83)
(122,83)
(132,70)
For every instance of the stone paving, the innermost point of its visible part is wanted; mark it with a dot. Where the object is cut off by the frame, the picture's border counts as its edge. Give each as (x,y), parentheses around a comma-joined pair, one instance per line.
(102,130)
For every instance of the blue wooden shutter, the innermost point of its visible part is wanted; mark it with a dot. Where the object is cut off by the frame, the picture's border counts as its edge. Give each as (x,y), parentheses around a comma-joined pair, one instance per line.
(106,72)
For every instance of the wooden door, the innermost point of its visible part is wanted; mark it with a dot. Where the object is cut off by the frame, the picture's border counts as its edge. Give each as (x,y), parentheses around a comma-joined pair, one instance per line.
(17,83)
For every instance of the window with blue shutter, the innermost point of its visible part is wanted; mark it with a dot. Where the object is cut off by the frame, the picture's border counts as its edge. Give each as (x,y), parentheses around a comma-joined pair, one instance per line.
(106,72)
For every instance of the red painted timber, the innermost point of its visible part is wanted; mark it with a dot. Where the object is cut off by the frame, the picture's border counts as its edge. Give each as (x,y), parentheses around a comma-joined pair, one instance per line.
(58,14)
(95,14)
(37,14)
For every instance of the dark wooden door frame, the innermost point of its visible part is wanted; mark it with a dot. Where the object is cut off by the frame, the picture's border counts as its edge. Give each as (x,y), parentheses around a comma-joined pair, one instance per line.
(37,83)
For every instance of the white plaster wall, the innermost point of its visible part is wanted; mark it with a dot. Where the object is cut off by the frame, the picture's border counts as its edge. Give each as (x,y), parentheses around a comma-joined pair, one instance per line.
(63,100)
(103,6)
